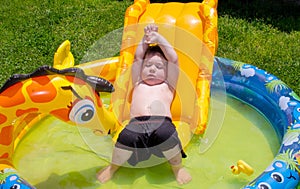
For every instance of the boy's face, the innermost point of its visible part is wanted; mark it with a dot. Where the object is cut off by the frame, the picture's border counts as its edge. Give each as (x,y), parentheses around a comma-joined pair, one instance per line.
(154,69)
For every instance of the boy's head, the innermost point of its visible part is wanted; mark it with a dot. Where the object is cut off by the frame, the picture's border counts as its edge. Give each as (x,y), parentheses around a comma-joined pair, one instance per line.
(154,67)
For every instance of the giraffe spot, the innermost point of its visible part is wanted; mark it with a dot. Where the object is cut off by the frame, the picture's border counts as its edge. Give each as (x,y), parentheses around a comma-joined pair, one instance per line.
(62,114)
(12,96)
(6,135)
(3,118)
(22,112)
(4,156)
(41,90)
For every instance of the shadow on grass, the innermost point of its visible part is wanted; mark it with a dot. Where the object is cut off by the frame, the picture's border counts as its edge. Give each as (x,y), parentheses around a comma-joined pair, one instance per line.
(281,14)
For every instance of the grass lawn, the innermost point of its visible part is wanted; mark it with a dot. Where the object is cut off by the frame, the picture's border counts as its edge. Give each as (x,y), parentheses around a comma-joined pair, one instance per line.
(30,32)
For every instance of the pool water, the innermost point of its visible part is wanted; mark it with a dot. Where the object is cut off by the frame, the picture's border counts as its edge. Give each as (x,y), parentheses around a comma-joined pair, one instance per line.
(55,155)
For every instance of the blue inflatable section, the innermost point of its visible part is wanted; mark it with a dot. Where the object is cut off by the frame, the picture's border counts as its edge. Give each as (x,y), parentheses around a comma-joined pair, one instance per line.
(281,107)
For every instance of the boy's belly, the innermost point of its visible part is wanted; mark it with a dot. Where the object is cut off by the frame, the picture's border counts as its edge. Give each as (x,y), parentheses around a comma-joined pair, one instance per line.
(154,107)
(151,100)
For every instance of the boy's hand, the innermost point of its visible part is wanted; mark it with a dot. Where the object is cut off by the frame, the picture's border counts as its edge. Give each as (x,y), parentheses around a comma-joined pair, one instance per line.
(151,28)
(151,34)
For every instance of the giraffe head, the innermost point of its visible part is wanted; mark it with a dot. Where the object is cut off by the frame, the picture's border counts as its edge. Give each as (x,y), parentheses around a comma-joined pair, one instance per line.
(67,94)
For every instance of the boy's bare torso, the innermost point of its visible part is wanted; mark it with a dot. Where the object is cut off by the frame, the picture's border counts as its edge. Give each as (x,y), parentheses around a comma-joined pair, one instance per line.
(151,100)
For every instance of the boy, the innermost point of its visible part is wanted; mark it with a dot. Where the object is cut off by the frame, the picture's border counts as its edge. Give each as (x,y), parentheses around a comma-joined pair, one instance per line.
(150,130)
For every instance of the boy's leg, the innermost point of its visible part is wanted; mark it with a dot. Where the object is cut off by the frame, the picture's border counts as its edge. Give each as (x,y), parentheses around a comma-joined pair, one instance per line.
(166,136)
(175,159)
(119,157)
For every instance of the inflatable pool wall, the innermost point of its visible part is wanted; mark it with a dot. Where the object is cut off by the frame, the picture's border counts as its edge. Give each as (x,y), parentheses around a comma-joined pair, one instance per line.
(280,105)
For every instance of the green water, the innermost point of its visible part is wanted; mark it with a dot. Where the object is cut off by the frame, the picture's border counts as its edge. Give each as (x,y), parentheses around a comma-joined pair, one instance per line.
(55,155)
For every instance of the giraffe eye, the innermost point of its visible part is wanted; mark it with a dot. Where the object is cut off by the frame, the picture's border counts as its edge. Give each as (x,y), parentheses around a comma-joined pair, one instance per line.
(82,112)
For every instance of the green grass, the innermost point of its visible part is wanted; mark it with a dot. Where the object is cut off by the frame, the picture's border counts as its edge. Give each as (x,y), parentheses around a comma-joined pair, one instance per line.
(31,31)
(263,46)
(263,33)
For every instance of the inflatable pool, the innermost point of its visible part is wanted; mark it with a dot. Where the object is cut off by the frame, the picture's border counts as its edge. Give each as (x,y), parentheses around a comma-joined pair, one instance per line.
(52,98)
(280,105)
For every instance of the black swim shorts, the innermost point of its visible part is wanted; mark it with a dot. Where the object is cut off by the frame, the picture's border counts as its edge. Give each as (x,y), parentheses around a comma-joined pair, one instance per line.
(148,135)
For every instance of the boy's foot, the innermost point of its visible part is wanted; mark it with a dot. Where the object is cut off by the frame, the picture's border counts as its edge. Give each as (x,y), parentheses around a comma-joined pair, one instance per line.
(106,173)
(182,175)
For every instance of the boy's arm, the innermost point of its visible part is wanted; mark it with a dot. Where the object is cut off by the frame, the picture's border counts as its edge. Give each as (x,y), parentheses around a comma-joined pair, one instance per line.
(172,58)
(138,60)
(167,49)
(140,50)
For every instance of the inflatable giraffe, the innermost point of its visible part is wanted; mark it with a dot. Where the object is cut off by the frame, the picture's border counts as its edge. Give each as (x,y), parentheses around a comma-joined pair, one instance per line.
(66,93)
